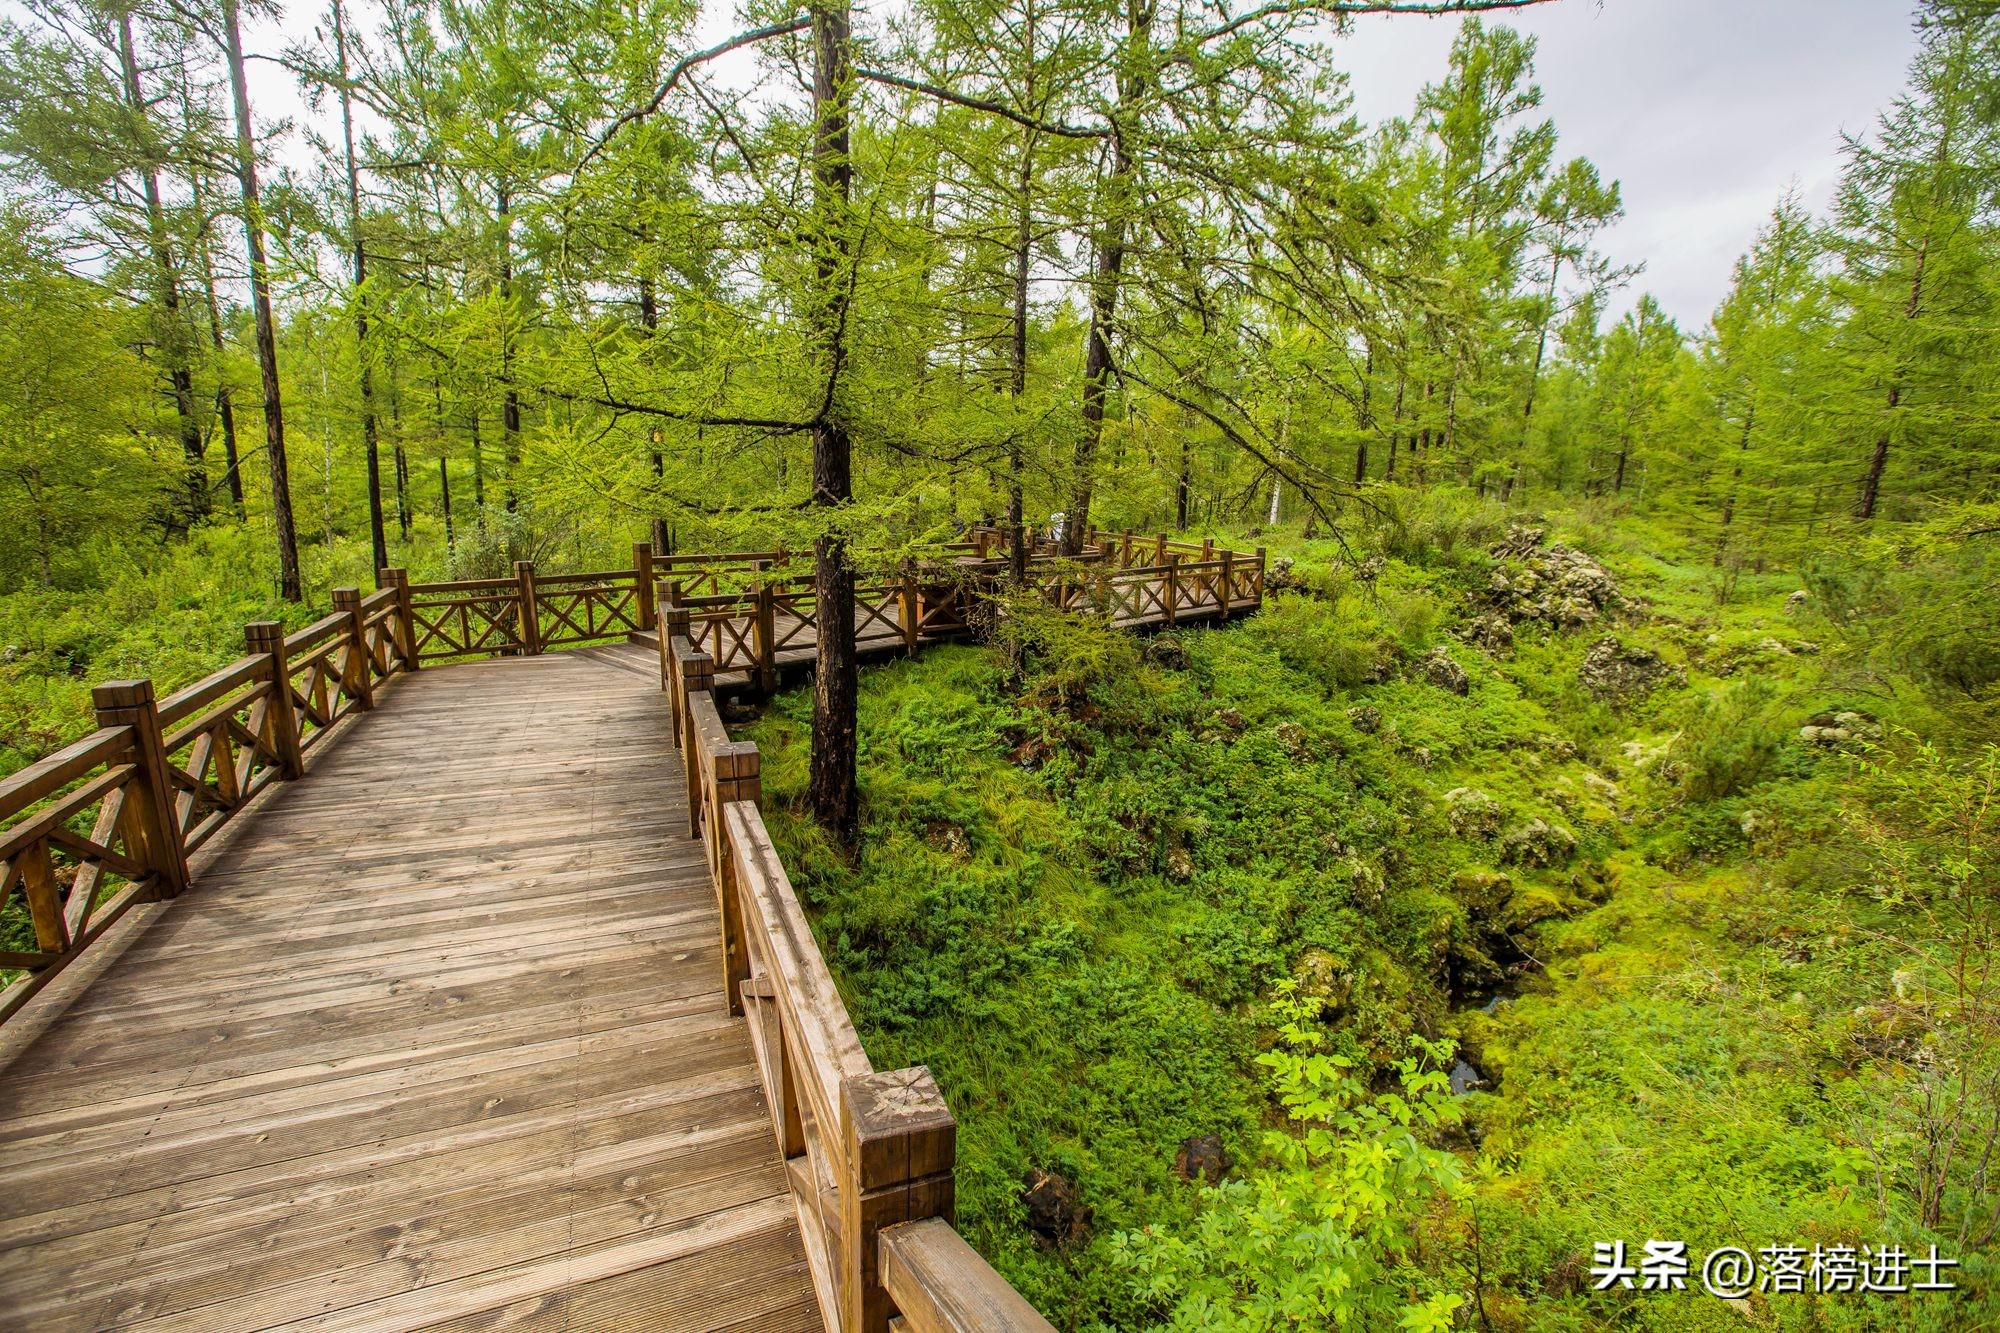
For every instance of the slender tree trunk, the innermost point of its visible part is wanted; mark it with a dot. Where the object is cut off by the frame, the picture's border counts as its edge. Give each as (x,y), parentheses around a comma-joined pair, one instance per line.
(225,400)
(1017,381)
(1110,264)
(1183,479)
(831,787)
(1878,462)
(370,445)
(173,341)
(478,474)
(510,398)
(649,320)
(1395,426)
(404,508)
(267,335)
(445,491)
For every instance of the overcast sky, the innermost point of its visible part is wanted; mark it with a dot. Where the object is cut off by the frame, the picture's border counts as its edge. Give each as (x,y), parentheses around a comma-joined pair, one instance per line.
(1705,110)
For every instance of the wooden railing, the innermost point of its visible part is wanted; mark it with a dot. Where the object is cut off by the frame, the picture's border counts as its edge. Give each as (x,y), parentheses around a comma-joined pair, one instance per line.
(747,616)
(870,1154)
(109,822)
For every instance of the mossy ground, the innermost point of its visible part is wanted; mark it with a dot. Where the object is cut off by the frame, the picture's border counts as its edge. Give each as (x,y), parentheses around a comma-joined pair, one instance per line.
(1147,851)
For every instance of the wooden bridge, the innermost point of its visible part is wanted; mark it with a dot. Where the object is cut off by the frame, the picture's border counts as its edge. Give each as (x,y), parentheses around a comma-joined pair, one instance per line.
(506,1015)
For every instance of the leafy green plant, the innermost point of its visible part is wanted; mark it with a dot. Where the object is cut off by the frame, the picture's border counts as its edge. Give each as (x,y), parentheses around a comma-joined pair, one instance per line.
(1320,1236)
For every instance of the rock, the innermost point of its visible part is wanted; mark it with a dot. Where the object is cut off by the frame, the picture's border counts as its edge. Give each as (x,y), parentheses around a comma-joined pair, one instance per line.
(1292,739)
(1438,668)
(1370,569)
(1282,575)
(1537,843)
(1610,670)
(1367,719)
(1776,647)
(1521,540)
(1473,813)
(1054,1213)
(1837,729)
(1805,646)
(1420,755)
(1558,587)
(1201,1158)
(949,838)
(1485,893)
(1166,650)
(1180,864)
(1464,1077)
(1229,720)
(1797,601)
(1492,631)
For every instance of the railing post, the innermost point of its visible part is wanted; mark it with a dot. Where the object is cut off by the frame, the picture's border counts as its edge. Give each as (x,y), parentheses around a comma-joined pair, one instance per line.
(765,635)
(908,608)
(357,675)
(678,623)
(1170,585)
(642,564)
(737,777)
(130,703)
(530,611)
(1160,550)
(406,619)
(266,638)
(1208,548)
(901,1147)
(1125,556)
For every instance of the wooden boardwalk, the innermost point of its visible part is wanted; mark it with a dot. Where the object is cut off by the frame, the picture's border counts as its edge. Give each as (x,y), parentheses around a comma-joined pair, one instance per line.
(436,1039)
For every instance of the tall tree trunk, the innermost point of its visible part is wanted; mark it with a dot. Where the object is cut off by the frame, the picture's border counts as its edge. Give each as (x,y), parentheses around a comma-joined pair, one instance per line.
(378,542)
(289,582)
(1396,425)
(225,400)
(402,457)
(444,491)
(1017,367)
(173,340)
(478,473)
(1183,478)
(510,398)
(1878,462)
(1110,264)
(649,320)
(831,787)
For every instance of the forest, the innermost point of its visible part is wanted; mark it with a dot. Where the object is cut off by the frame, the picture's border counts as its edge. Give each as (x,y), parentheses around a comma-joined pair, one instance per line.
(1594,837)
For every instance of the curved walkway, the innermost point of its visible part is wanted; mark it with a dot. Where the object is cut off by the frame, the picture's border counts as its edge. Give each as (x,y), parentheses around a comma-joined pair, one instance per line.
(435,1040)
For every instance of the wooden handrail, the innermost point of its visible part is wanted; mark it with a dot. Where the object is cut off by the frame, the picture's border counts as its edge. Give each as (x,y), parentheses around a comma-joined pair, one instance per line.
(866,1151)
(161,777)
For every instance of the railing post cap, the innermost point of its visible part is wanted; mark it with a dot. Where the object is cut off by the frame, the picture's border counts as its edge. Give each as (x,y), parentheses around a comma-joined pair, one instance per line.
(261,629)
(898,1126)
(520,565)
(346,595)
(122,693)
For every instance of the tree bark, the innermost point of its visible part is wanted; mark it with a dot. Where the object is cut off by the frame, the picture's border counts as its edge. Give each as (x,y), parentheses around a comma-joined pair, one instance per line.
(1017,382)
(371,446)
(267,336)
(1110,264)
(831,788)
(510,398)
(225,400)
(649,320)
(173,341)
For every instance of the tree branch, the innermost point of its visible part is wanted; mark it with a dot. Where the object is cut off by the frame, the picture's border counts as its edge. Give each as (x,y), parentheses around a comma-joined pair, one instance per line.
(981,104)
(686,63)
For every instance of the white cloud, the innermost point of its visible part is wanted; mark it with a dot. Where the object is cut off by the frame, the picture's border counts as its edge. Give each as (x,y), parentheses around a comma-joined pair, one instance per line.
(1705,110)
